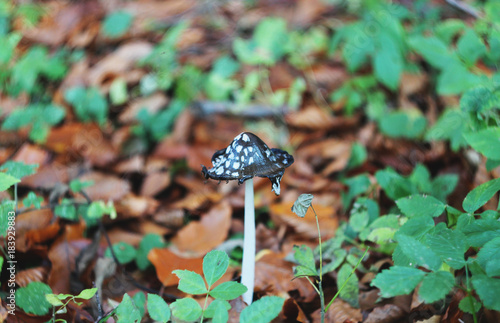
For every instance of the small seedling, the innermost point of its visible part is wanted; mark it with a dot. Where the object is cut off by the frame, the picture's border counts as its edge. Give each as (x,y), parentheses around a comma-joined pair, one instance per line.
(60,301)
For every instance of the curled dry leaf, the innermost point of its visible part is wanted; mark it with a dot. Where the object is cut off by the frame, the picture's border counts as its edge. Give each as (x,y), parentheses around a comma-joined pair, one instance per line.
(35,274)
(340,312)
(31,154)
(106,187)
(273,273)
(29,222)
(199,237)
(134,164)
(136,206)
(47,176)
(282,213)
(151,103)
(165,261)
(42,234)
(315,118)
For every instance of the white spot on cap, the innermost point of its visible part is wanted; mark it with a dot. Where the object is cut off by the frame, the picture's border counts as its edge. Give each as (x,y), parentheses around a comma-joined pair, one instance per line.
(236,165)
(268,152)
(228,149)
(242,158)
(250,149)
(219,170)
(228,172)
(250,160)
(245,151)
(285,161)
(235,174)
(239,148)
(228,163)
(245,137)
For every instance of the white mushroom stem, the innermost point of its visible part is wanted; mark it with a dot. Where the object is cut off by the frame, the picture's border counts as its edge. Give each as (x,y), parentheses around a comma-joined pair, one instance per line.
(248,265)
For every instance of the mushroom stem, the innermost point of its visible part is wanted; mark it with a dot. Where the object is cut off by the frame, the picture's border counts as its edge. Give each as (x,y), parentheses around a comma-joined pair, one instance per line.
(248,265)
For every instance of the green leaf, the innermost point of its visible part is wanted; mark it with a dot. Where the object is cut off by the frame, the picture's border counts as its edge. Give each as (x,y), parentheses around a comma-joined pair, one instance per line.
(19,169)
(417,227)
(449,245)
(481,194)
(139,301)
(359,220)
(388,61)
(470,305)
(357,185)
(88,104)
(190,282)
(32,199)
(66,210)
(53,300)
(127,311)
(450,126)
(87,293)
(302,204)
(215,264)
(418,253)
(262,311)
(7,216)
(228,291)
(124,252)
(456,79)
(218,311)
(350,292)
(158,309)
(305,258)
(186,309)
(394,185)
(489,257)
(337,258)
(480,231)
(77,186)
(470,47)
(433,50)
(485,141)
(443,185)
(7,181)
(31,298)
(150,241)
(420,205)
(488,290)
(405,124)
(478,99)
(435,286)
(97,209)
(398,280)
(116,24)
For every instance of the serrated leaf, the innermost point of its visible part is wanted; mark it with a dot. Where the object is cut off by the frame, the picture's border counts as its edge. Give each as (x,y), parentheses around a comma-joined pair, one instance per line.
(480,231)
(489,257)
(117,24)
(31,298)
(186,309)
(228,291)
(53,300)
(450,245)
(470,305)
(338,256)
(488,290)
(420,205)
(435,286)
(158,309)
(191,282)
(215,264)
(418,253)
(350,291)
(7,181)
(18,169)
(450,126)
(302,204)
(481,194)
(262,311)
(218,311)
(127,311)
(150,241)
(470,47)
(387,61)
(398,280)
(305,258)
(124,252)
(32,199)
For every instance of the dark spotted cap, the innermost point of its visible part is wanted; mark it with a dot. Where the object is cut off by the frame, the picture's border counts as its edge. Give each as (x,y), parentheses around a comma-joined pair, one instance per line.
(248,156)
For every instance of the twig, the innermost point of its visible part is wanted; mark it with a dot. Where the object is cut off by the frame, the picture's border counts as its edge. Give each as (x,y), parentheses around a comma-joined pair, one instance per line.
(465,8)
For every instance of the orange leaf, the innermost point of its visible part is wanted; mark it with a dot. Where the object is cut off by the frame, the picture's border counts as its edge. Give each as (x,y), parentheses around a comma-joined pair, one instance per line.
(165,261)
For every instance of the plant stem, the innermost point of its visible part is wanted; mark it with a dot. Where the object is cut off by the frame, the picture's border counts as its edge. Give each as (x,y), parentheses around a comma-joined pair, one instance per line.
(248,265)
(320,282)
(343,285)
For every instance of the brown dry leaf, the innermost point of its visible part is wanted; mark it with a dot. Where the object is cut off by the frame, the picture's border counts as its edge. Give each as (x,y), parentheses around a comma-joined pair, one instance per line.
(134,164)
(165,261)
(171,218)
(30,221)
(106,187)
(119,62)
(149,226)
(43,234)
(273,273)
(135,206)
(340,312)
(292,312)
(35,274)
(326,77)
(82,140)
(307,11)
(168,148)
(62,256)
(314,118)
(152,104)
(282,213)
(47,176)
(31,154)
(385,314)
(154,183)
(122,235)
(199,237)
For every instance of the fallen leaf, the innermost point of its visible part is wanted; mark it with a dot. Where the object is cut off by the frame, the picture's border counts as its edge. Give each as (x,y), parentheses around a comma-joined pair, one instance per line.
(136,206)
(43,234)
(340,312)
(165,261)
(152,104)
(154,183)
(315,118)
(31,154)
(199,237)
(388,313)
(106,187)
(29,222)
(35,274)
(134,164)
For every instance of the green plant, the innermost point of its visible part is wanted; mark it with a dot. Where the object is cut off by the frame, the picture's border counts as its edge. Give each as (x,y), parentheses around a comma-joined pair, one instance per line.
(126,253)
(116,24)
(432,256)
(88,104)
(31,298)
(60,301)
(304,256)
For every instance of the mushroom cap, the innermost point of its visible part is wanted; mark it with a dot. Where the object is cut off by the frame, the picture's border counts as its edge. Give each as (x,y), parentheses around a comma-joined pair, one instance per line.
(248,156)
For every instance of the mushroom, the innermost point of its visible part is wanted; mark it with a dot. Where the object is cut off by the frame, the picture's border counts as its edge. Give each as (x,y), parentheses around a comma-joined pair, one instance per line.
(248,156)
